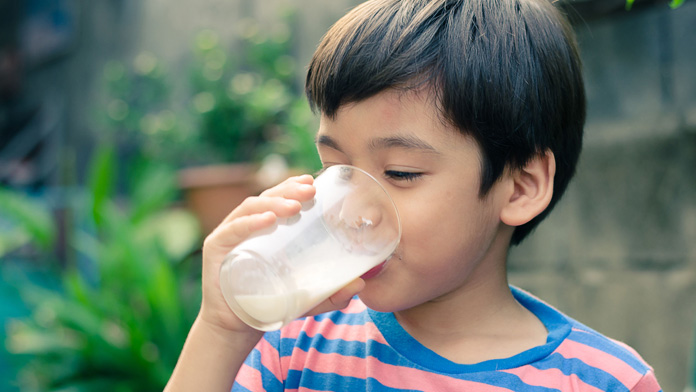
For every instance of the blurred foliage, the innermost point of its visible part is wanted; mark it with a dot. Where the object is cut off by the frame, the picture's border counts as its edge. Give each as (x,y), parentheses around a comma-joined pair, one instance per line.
(234,104)
(673,4)
(121,315)
(36,223)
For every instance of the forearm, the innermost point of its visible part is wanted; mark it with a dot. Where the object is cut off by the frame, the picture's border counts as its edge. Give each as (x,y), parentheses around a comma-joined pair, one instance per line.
(211,358)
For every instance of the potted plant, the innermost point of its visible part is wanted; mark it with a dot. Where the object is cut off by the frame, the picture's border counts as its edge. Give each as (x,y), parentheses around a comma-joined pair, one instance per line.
(240,107)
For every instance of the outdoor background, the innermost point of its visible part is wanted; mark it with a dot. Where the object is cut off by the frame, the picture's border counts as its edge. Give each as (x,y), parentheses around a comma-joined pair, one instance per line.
(103,103)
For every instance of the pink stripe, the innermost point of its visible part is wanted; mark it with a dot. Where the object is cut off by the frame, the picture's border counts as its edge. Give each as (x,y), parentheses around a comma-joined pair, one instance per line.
(357,333)
(647,384)
(390,375)
(597,358)
(551,378)
(329,330)
(355,306)
(268,354)
(292,330)
(249,378)
(285,364)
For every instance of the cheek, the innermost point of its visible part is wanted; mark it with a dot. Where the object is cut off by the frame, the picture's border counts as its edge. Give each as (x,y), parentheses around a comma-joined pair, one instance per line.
(431,230)
(448,230)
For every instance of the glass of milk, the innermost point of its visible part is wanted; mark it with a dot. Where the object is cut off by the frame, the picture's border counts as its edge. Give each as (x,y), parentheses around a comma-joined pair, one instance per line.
(280,273)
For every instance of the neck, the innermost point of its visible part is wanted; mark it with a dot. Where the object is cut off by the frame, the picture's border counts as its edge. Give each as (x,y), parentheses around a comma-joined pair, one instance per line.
(474,307)
(479,321)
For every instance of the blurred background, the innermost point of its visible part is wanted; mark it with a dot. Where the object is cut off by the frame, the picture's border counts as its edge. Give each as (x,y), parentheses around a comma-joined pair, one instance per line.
(128,128)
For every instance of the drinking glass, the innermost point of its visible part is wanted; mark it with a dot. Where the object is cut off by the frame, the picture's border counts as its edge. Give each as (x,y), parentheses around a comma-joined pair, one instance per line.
(278,274)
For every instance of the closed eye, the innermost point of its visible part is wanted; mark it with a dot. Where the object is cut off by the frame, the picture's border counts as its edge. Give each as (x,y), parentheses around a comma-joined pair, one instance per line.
(402,175)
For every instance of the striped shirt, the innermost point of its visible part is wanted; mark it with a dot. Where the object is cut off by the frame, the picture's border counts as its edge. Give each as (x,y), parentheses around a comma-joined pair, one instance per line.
(358,349)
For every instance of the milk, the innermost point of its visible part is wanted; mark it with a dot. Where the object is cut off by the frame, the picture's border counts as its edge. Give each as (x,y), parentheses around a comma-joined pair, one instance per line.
(317,273)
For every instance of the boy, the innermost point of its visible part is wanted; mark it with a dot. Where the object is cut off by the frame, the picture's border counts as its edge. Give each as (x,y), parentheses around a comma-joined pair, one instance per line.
(470,113)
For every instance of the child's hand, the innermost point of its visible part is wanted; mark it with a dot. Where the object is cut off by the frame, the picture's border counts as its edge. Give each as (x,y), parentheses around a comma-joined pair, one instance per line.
(255,213)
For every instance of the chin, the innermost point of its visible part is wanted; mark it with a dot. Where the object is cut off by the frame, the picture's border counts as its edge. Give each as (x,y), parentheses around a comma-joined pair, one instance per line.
(381,302)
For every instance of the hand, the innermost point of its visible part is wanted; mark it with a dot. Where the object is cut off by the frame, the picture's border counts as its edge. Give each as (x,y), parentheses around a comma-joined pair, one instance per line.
(253,214)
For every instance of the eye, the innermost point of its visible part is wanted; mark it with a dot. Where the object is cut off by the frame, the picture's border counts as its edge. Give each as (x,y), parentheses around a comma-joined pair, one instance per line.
(402,175)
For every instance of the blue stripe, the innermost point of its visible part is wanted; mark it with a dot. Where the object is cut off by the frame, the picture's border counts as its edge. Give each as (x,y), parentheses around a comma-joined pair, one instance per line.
(504,380)
(592,339)
(318,381)
(374,385)
(387,355)
(335,382)
(323,381)
(590,375)
(268,379)
(238,388)
(346,348)
(340,318)
(273,338)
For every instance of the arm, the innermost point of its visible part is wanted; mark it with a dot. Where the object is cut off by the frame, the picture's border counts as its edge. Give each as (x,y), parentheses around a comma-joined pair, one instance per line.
(211,358)
(219,342)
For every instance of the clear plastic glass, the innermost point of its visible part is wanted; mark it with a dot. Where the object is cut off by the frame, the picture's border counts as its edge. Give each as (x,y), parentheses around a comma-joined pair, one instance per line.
(280,273)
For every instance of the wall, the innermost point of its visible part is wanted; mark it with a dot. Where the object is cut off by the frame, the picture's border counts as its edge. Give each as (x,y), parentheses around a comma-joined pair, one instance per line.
(618,254)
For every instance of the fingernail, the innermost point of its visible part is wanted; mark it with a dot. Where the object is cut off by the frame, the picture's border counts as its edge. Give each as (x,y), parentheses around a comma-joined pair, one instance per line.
(292,203)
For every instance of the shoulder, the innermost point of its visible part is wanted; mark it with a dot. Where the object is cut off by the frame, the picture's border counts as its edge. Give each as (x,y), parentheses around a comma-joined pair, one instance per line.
(589,356)
(600,354)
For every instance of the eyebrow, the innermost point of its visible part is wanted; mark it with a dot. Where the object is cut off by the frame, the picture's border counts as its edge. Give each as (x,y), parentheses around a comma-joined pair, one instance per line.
(398,141)
(327,141)
(402,141)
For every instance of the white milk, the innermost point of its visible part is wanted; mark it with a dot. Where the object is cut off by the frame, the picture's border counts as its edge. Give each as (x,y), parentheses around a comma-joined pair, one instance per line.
(316,273)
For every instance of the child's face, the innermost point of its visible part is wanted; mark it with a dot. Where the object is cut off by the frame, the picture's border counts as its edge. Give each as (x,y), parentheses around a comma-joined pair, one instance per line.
(451,238)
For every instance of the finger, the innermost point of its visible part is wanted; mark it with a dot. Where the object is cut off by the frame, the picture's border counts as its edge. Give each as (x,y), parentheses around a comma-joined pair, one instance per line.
(339,299)
(232,233)
(280,206)
(298,188)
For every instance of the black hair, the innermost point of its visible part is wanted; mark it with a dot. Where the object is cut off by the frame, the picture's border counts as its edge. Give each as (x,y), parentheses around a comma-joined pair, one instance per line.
(506,72)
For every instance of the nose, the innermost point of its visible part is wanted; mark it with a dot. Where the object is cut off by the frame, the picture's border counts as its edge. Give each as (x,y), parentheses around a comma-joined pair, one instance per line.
(369,221)
(361,214)
(363,207)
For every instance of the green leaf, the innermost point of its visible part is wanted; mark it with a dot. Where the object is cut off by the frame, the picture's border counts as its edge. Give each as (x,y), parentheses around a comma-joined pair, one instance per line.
(26,216)
(13,238)
(101,179)
(674,4)
(154,187)
(162,294)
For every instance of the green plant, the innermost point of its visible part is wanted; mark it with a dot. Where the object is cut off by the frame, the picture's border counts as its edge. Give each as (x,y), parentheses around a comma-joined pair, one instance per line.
(141,113)
(673,4)
(122,313)
(239,103)
(36,223)
(247,101)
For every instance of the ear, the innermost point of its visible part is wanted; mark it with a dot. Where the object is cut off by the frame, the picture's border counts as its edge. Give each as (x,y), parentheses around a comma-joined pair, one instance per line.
(532,189)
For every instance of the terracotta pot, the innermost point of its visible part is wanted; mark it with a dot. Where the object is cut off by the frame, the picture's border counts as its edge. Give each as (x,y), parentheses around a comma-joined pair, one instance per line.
(212,192)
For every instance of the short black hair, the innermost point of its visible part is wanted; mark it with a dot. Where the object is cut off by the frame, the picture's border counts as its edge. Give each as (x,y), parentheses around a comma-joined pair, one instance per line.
(506,72)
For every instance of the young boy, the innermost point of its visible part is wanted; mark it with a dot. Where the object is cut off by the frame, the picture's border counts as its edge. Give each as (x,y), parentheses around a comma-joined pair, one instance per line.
(470,113)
